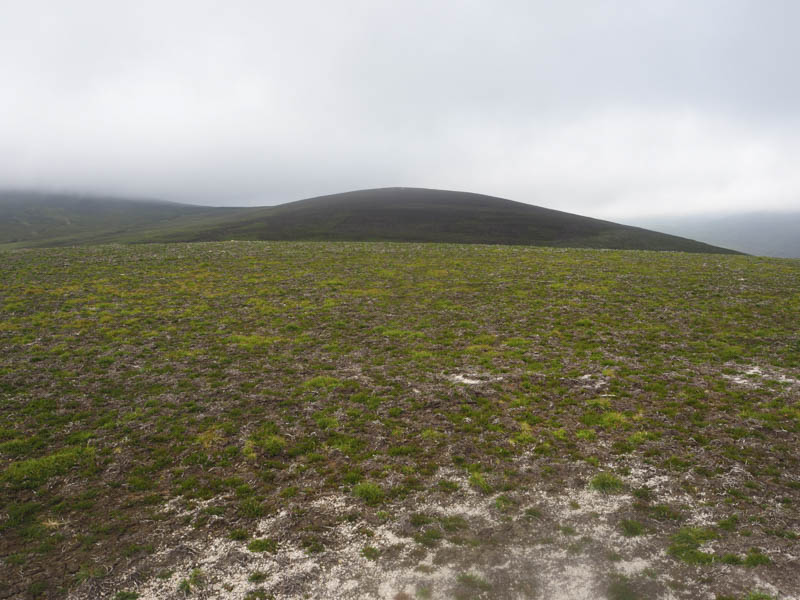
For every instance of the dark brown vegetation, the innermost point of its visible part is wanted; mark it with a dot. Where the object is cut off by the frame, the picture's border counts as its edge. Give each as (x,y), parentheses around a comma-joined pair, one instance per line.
(485,405)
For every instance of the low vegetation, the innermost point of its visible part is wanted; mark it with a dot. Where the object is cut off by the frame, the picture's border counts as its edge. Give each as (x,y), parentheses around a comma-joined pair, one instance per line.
(422,412)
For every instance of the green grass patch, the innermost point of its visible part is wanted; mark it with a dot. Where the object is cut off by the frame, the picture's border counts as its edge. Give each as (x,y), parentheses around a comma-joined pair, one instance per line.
(263,545)
(685,545)
(607,483)
(369,492)
(34,472)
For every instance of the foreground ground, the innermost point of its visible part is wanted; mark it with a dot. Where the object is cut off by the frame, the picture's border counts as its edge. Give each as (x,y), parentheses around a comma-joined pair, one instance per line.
(289,420)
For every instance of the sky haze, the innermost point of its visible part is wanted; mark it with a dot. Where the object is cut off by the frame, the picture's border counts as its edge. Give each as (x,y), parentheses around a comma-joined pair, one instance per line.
(606,108)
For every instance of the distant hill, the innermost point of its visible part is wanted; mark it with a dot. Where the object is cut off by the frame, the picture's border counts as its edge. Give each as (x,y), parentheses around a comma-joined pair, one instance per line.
(760,233)
(387,214)
(39,218)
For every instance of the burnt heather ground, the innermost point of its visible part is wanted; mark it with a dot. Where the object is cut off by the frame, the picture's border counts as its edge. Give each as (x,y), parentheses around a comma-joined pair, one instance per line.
(373,420)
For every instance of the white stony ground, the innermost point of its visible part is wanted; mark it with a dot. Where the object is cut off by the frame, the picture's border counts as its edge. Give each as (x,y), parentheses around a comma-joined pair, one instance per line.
(756,376)
(290,573)
(534,567)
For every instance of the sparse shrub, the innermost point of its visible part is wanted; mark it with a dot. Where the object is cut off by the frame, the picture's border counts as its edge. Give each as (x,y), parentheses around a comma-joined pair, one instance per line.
(254,342)
(504,503)
(473,582)
(257,577)
(568,530)
(263,545)
(429,537)
(419,519)
(759,596)
(477,480)
(533,513)
(453,523)
(20,514)
(323,382)
(631,528)
(731,559)
(599,403)
(403,450)
(290,491)
(686,543)
(352,476)
(447,486)
(755,558)
(664,512)
(607,483)
(369,492)
(312,545)
(37,589)
(370,553)
(728,523)
(613,420)
(251,508)
(266,440)
(619,588)
(31,473)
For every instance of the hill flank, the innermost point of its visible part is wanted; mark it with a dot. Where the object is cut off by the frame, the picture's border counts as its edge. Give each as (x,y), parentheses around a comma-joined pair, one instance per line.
(387,214)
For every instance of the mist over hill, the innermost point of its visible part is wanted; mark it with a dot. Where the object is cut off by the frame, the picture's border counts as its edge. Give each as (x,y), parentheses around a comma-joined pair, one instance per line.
(29,218)
(765,233)
(385,214)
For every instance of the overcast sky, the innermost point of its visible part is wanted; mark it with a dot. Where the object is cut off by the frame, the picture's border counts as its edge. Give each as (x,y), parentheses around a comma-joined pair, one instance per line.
(605,108)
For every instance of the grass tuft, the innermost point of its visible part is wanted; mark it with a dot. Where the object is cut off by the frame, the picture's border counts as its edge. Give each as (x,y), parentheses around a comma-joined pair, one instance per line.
(369,492)
(607,483)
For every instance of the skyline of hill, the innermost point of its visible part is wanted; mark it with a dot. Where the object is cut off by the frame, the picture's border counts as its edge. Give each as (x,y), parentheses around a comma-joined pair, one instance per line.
(383,214)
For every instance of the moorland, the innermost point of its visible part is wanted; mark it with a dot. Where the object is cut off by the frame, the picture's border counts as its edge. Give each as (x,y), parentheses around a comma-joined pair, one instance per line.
(313,419)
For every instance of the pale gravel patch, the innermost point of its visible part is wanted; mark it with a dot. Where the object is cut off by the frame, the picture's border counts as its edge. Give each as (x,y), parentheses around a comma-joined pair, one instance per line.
(464,379)
(662,486)
(633,566)
(345,579)
(589,502)
(436,581)
(595,382)
(648,476)
(473,506)
(766,587)
(268,524)
(754,377)
(227,565)
(600,508)
(342,572)
(471,378)
(571,582)
(189,508)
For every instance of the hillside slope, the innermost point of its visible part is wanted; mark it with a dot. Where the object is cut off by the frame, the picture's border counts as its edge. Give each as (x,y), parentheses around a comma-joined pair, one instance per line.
(387,214)
(424,215)
(39,218)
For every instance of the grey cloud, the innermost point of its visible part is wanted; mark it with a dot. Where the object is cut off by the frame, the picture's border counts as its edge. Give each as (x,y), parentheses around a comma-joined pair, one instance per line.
(600,107)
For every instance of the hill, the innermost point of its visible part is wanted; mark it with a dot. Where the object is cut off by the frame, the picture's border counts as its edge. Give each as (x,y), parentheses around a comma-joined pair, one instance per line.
(775,234)
(387,214)
(39,218)
(425,215)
